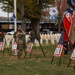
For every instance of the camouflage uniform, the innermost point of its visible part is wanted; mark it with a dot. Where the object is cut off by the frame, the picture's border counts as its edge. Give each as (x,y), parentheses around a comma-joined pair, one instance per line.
(18,36)
(32,36)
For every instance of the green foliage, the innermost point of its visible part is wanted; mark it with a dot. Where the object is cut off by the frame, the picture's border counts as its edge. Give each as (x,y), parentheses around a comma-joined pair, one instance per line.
(7,5)
(32,7)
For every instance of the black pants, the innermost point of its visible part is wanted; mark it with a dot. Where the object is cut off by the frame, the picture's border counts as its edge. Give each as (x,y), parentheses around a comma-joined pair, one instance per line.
(66,47)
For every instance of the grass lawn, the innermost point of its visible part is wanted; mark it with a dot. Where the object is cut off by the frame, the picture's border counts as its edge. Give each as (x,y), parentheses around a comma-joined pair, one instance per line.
(38,64)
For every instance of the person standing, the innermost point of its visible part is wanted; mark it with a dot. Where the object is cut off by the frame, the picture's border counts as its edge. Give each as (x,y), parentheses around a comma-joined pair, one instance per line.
(1,41)
(18,37)
(32,36)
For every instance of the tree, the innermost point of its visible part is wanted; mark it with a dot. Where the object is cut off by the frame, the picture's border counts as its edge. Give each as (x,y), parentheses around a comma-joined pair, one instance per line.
(29,9)
(35,11)
(61,5)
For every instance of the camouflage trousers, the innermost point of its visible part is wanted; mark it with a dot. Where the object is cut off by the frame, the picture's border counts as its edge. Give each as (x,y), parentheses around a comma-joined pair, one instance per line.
(20,50)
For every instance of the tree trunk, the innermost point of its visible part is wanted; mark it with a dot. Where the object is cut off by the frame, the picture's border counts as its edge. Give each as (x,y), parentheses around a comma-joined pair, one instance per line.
(36,27)
(23,20)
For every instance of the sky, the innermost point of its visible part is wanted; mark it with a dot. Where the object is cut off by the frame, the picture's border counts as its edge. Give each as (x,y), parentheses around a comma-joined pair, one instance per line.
(5,14)
(53,11)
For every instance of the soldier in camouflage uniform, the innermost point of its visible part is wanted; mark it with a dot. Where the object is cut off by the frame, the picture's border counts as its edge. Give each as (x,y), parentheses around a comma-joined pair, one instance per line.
(32,36)
(18,36)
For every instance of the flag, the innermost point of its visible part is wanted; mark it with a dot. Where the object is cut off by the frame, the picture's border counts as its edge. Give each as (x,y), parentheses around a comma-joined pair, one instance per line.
(29,48)
(2,46)
(73,55)
(53,11)
(13,17)
(69,10)
(67,25)
(59,48)
(14,46)
(72,34)
(64,35)
(61,37)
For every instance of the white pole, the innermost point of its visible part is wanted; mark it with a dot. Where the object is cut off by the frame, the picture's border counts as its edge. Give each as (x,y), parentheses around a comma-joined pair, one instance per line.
(15,23)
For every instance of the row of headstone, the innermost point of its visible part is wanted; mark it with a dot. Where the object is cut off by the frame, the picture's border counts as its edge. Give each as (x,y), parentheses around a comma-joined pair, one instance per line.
(7,40)
(44,38)
(50,37)
(47,37)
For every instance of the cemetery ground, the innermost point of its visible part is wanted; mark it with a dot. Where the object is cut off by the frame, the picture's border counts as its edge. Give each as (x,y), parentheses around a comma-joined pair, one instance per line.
(37,64)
